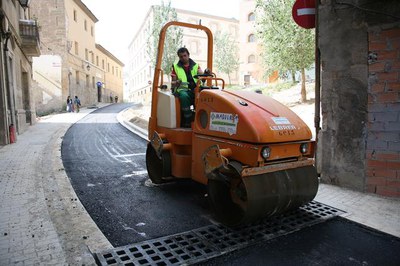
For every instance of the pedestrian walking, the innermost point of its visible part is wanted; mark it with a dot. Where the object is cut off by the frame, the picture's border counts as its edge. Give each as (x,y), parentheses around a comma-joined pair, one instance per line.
(111,97)
(69,104)
(116,98)
(77,104)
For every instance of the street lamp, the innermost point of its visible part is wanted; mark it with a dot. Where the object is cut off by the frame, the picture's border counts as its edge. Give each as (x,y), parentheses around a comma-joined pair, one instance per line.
(24,3)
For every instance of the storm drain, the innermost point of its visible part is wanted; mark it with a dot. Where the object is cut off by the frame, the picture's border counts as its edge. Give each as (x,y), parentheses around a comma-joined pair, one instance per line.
(214,240)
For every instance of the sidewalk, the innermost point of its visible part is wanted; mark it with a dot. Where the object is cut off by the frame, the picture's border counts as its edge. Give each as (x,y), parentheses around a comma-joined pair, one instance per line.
(42,222)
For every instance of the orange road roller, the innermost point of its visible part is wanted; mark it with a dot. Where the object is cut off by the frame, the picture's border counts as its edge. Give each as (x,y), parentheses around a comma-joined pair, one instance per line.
(254,154)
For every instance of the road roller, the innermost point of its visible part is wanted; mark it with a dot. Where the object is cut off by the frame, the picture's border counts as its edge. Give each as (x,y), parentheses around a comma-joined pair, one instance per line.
(254,154)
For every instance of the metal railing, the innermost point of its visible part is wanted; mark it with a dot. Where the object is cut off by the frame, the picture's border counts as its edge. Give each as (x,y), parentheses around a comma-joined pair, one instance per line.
(28,29)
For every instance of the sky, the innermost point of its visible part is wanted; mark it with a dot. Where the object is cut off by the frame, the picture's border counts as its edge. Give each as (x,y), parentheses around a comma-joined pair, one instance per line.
(119,20)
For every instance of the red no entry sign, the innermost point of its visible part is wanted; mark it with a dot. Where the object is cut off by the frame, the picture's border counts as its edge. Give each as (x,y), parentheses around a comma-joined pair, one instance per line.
(303,13)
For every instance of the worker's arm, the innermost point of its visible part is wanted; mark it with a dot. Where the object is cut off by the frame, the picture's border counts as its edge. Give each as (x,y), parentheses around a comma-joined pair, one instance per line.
(201,72)
(175,83)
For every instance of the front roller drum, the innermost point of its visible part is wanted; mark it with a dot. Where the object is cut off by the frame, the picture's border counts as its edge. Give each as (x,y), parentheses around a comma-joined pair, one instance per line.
(247,199)
(158,168)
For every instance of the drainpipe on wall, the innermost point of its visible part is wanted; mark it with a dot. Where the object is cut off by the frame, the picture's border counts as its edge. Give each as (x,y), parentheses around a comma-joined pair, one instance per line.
(7,36)
(4,138)
(317,102)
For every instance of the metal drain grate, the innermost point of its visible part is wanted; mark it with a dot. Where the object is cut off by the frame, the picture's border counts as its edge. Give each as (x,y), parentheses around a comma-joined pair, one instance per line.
(214,240)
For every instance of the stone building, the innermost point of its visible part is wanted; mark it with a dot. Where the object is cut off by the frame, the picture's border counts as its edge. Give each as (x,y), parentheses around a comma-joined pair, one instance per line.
(71,62)
(359,144)
(250,70)
(19,42)
(139,69)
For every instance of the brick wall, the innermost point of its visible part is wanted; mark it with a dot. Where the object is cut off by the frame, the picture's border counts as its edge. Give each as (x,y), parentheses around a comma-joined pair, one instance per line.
(383,128)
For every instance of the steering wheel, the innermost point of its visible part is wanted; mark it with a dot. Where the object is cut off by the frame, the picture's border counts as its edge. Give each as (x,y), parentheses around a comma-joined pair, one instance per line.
(202,75)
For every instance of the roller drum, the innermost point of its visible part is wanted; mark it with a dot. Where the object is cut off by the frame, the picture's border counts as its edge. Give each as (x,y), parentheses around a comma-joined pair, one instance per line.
(244,200)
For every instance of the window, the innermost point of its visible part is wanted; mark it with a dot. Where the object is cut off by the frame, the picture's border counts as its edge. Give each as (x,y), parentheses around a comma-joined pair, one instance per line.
(102,63)
(76,48)
(91,30)
(85,25)
(97,60)
(87,81)
(75,16)
(93,82)
(113,70)
(108,67)
(251,38)
(251,59)
(92,57)
(86,54)
(251,17)
(77,77)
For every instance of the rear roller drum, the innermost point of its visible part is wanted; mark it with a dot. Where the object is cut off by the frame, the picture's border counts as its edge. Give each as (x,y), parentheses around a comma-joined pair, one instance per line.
(158,169)
(238,200)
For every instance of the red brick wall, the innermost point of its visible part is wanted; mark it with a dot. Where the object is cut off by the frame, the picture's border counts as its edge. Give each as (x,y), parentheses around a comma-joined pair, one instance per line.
(383,129)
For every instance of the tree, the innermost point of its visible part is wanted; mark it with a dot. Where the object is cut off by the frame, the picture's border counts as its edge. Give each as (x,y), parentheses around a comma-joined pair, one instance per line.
(173,39)
(286,46)
(226,53)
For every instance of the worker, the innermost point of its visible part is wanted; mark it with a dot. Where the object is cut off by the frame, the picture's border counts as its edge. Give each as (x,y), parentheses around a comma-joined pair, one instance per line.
(183,83)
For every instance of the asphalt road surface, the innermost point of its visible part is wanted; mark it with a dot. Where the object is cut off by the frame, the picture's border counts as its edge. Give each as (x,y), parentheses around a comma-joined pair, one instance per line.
(106,165)
(335,242)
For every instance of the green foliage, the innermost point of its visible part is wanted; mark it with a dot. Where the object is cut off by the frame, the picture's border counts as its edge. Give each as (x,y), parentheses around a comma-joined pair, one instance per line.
(286,46)
(173,39)
(272,88)
(226,58)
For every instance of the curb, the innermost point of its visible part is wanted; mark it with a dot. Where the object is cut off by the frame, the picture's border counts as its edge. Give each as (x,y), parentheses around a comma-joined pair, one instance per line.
(130,126)
(79,234)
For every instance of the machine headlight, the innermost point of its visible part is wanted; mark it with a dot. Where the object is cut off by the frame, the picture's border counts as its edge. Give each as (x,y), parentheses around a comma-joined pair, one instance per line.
(304,148)
(266,152)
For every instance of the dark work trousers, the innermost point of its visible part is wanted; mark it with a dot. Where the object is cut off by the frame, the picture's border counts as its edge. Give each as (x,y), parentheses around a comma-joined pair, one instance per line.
(186,98)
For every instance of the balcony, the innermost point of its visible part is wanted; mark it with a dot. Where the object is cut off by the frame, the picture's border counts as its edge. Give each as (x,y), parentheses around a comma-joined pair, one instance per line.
(29,32)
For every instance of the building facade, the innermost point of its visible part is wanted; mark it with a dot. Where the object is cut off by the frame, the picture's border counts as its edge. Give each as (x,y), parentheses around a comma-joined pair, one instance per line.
(19,43)
(71,62)
(243,31)
(359,143)
(250,71)
(139,69)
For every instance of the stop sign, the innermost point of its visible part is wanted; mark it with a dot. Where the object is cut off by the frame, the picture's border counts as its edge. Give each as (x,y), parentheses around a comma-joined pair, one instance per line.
(303,13)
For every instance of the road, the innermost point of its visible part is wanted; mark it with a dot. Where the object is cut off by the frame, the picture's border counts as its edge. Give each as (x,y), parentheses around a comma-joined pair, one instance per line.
(106,165)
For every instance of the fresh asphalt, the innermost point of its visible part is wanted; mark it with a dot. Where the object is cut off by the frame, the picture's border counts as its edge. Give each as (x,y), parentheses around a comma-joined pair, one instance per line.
(106,165)
(335,242)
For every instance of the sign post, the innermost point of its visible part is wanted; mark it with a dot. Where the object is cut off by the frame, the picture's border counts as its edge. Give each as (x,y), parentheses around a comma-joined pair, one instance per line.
(303,13)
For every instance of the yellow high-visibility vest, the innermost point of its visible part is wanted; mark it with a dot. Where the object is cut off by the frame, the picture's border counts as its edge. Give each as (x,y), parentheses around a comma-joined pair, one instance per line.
(181,75)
